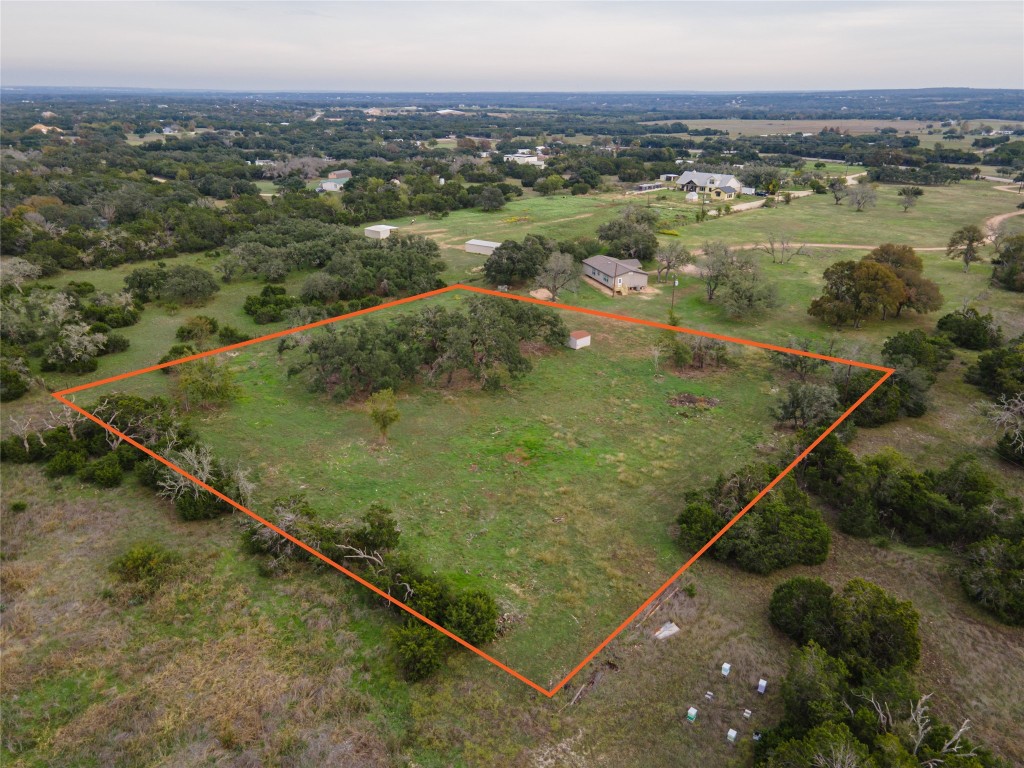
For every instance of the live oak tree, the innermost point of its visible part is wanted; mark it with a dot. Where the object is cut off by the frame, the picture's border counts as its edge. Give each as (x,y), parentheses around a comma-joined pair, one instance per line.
(670,257)
(561,271)
(514,263)
(631,236)
(965,245)
(920,294)
(855,291)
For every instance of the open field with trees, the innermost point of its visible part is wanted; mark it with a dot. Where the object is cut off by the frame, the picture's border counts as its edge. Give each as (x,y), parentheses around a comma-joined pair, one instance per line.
(529,495)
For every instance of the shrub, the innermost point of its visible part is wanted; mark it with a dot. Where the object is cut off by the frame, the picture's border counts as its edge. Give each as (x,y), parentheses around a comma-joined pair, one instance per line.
(473,616)
(106,472)
(379,532)
(992,575)
(1000,371)
(230,335)
(970,329)
(176,352)
(66,462)
(802,609)
(12,384)
(115,342)
(144,567)
(197,329)
(204,506)
(420,649)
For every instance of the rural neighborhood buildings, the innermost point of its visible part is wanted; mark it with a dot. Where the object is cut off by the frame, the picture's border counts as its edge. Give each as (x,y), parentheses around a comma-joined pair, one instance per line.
(669,176)
(379,231)
(619,275)
(649,186)
(339,175)
(719,186)
(579,339)
(40,128)
(486,247)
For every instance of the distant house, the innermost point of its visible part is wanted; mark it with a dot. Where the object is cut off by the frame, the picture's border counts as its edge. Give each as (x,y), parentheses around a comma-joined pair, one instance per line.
(264,162)
(747,190)
(447,112)
(172,129)
(579,339)
(718,186)
(525,157)
(486,247)
(620,275)
(379,231)
(331,185)
(40,128)
(339,175)
(649,186)
(669,176)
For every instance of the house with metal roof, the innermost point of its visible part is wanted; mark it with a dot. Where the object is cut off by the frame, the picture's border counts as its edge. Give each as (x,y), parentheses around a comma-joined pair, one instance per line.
(618,275)
(717,186)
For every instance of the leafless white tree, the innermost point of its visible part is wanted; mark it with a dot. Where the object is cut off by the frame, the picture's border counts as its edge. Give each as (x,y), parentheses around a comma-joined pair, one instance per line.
(780,248)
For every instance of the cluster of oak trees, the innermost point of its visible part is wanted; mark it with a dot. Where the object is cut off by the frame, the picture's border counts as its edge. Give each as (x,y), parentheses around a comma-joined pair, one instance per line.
(849,694)
(482,341)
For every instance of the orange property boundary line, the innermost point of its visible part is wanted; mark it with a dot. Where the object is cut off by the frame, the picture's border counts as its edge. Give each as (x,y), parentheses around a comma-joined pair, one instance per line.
(887,372)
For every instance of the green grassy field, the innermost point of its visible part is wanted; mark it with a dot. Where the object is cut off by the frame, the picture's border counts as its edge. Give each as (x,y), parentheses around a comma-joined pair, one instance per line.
(559,497)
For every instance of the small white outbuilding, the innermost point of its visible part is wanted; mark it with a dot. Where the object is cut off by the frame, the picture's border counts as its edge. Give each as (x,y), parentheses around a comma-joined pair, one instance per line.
(379,231)
(486,247)
(579,340)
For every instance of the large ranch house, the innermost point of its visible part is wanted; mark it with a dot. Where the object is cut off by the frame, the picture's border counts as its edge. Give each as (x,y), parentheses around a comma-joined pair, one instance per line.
(618,275)
(717,186)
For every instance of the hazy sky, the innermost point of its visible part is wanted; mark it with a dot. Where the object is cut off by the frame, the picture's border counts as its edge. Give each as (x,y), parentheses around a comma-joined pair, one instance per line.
(363,46)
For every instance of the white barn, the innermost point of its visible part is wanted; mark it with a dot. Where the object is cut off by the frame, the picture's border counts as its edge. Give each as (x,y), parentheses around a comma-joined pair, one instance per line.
(486,247)
(379,231)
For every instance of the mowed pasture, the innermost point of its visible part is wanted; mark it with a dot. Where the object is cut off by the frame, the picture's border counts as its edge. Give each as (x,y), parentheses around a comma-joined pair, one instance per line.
(559,496)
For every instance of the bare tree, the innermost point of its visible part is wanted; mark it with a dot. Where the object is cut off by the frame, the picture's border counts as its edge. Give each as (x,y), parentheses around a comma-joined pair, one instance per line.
(1008,415)
(17,271)
(780,248)
(670,257)
(839,756)
(838,187)
(198,462)
(65,417)
(863,196)
(21,428)
(560,272)
(921,726)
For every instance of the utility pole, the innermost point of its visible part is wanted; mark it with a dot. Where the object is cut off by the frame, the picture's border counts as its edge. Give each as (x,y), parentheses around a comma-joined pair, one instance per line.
(675,283)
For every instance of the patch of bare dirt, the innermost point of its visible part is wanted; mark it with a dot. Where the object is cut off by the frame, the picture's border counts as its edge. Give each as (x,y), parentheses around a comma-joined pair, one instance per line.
(687,400)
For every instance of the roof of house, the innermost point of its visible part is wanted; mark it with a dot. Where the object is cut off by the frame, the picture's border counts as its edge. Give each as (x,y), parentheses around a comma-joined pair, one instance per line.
(611,266)
(485,243)
(708,179)
(381,227)
(579,335)
(728,189)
